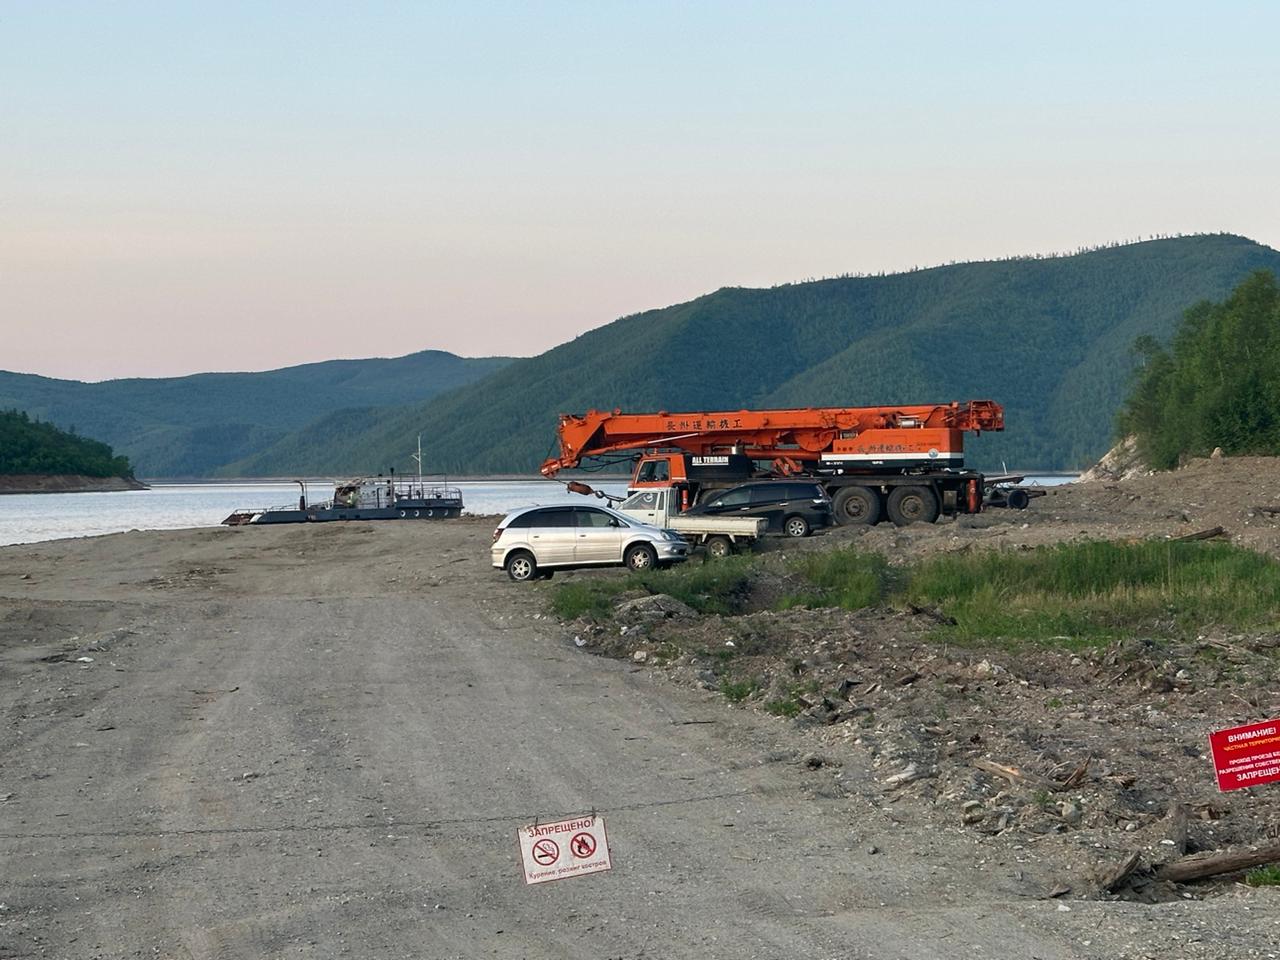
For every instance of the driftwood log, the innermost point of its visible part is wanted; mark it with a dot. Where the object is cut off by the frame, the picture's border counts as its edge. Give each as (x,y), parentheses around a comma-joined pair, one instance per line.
(1202,535)
(1034,780)
(1201,865)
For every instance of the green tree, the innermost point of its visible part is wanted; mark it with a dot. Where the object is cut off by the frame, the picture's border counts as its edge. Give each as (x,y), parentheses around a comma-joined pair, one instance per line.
(29,446)
(1216,385)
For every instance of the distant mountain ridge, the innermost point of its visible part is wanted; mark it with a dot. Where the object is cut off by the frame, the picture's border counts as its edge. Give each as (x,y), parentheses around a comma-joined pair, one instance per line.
(194,426)
(1048,337)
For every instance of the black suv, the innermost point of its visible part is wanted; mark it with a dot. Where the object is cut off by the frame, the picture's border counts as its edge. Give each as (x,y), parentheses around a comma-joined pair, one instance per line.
(792,507)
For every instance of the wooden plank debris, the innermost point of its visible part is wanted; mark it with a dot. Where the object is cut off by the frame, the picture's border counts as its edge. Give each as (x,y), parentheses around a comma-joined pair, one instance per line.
(1111,878)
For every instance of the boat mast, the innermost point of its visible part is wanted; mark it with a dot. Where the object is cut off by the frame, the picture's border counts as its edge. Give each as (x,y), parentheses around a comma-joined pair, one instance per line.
(418,458)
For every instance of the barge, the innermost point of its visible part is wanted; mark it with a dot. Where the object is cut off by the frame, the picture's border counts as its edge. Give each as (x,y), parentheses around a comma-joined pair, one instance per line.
(368,498)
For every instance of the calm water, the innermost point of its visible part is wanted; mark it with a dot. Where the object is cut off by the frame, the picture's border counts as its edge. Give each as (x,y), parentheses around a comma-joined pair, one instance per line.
(52,516)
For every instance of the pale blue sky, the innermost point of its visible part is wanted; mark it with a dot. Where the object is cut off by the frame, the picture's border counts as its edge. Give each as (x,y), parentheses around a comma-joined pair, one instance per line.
(246,185)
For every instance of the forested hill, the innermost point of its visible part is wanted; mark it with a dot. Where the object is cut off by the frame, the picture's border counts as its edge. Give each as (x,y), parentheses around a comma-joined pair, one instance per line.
(30,447)
(1050,338)
(191,426)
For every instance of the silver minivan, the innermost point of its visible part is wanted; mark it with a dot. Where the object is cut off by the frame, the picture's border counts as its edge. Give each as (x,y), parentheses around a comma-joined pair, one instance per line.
(532,543)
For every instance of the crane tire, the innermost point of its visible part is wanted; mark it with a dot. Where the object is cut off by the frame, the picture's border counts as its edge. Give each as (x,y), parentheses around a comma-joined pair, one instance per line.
(856,506)
(909,505)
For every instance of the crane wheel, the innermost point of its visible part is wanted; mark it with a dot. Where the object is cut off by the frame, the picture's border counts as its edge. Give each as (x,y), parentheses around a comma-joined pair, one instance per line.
(909,505)
(854,506)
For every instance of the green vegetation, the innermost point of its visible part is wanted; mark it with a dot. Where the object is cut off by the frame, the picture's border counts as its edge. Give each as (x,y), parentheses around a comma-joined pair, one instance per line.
(1268,876)
(198,425)
(1049,338)
(706,587)
(29,446)
(790,705)
(1071,595)
(840,578)
(1078,594)
(1218,385)
(735,691)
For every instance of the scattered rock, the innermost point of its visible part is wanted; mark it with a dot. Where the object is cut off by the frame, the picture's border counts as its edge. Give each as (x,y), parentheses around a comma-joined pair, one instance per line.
(658,606)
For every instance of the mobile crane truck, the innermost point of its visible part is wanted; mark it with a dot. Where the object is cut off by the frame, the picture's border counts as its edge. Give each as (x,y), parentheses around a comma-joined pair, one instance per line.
(904,463)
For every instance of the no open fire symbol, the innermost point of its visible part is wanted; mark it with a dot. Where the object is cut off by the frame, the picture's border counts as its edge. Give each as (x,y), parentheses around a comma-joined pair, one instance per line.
(564,849)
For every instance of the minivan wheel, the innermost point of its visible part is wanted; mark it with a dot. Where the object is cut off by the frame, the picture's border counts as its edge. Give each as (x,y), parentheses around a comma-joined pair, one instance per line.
(796,527)
(641,556)
(521,567)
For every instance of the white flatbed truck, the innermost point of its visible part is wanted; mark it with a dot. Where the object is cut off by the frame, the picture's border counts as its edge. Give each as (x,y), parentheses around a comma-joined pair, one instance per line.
(719,536)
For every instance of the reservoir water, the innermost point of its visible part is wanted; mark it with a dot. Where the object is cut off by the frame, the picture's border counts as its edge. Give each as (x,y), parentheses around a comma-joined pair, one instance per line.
(171,506)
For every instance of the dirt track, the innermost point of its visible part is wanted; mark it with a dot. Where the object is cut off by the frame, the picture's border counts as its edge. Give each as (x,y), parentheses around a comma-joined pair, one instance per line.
(319,741)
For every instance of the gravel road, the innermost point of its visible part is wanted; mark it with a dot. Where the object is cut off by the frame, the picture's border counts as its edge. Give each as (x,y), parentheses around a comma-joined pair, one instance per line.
(319,741)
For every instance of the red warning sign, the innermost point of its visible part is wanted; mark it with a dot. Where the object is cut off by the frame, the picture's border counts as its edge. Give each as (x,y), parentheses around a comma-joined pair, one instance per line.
(546,852)
(582,846)
(1246,756)
(545,858)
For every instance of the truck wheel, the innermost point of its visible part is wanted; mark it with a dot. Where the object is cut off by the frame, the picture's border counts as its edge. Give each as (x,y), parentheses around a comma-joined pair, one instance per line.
(640,557)
(719,547)
(796,526)
(854,506)
(912,505)
(522,567)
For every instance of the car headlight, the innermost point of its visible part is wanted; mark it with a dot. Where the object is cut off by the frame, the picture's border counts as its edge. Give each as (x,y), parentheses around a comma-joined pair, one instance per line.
(672,536)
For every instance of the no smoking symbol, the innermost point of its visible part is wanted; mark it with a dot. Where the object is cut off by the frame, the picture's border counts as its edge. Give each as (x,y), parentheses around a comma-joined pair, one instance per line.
(582,845)
(546,852)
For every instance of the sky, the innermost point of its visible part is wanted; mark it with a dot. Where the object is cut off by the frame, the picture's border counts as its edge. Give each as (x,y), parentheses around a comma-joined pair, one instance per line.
(242,186)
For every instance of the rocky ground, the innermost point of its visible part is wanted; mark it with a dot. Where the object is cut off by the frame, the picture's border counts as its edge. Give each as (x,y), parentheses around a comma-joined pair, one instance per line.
(318,740)
(1082,760)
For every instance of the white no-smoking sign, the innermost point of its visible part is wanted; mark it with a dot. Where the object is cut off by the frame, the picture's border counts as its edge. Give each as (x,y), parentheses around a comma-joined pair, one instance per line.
(564,849)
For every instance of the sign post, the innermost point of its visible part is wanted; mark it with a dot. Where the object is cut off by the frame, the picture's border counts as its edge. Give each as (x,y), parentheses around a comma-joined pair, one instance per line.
(1246,756)
(564,849)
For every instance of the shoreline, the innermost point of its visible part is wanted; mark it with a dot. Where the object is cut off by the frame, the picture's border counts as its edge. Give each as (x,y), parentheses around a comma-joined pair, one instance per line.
(28,483)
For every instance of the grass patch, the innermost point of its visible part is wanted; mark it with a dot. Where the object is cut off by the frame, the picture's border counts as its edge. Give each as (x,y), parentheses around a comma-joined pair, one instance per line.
(718,587)
(788,707)
(735,691)
(1268,876)
(1073,595)
(1085,594)
(840,578)
(592,599)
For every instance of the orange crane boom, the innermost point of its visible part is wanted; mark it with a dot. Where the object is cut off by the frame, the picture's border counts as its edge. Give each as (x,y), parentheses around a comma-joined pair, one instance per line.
(883,436)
